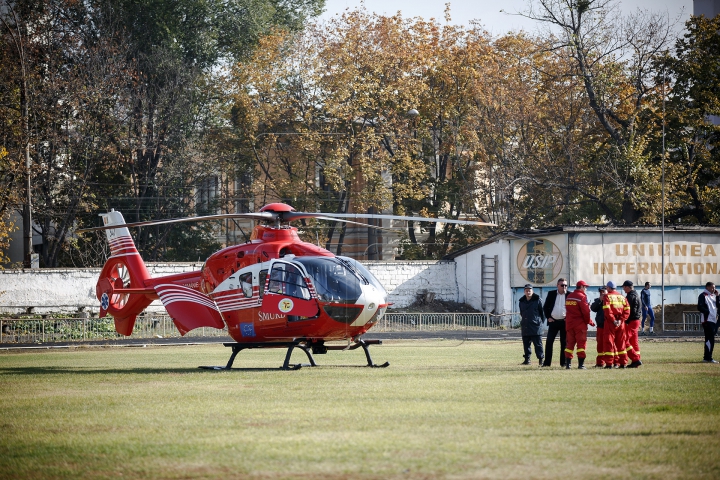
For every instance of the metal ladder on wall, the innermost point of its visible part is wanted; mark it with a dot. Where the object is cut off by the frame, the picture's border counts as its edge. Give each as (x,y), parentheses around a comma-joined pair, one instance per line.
(488,282)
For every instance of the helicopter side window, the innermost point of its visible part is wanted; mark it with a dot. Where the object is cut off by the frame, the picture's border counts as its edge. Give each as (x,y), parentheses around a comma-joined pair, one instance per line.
(286,279)
(263,276)
(246,284)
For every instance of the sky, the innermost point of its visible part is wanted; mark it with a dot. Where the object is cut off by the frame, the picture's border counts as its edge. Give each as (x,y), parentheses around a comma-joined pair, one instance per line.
(488,11)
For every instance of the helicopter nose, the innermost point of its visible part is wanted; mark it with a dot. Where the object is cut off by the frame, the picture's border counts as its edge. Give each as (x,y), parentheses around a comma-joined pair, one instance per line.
(371,299)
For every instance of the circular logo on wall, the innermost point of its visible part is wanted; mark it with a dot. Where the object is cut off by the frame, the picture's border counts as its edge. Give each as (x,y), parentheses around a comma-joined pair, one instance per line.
(539,261)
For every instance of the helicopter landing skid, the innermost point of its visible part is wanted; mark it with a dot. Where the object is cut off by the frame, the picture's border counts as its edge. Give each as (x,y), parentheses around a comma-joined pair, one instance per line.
(306,346)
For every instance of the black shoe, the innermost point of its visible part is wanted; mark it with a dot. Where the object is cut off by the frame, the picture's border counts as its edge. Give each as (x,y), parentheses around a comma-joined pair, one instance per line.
(622,366)
(635,364)
(608,366)
(599,366)
(567,364)
(541,361)
(581,364)
(526,362)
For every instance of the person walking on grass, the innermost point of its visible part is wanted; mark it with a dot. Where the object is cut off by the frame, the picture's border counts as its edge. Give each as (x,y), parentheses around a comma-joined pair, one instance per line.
(597,307)
(531,320)
(577,319)
(647,310)
(632,325)
(554,310)
(708,305)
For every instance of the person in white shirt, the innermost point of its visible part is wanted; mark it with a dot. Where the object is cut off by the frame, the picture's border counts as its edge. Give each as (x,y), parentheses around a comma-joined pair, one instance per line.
(554,309)
(708,303)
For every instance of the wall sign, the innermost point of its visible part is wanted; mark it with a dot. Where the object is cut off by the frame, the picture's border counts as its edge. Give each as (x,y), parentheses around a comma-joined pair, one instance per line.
(539,261)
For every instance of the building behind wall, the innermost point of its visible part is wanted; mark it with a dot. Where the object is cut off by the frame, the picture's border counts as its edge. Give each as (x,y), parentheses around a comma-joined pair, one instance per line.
(491,274)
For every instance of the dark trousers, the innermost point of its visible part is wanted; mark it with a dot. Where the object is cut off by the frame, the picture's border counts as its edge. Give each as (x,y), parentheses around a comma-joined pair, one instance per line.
(535,340)
(710,329)
(555,327)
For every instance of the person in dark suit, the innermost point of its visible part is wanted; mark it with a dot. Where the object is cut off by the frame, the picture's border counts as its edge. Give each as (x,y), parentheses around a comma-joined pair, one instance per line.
(531,320)
(554,309)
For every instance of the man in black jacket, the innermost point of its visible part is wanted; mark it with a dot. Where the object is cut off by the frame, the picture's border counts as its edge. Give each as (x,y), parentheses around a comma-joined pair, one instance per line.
(531,320)
(632,324)
(597,307)
(554,310)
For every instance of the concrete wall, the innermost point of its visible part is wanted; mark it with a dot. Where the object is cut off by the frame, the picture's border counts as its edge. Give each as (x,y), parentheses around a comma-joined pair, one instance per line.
(468,276)
(403,280)
(70,290)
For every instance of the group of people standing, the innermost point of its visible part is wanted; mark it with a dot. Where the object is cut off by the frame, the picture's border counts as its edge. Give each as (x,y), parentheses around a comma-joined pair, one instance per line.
(618,320)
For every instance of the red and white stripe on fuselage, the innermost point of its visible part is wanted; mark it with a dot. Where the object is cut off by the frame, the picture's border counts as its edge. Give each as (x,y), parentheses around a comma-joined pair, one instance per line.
(230,300)
(119,239)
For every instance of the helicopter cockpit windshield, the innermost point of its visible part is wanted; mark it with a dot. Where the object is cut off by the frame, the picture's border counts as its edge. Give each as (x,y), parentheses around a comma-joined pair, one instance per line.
(335,279)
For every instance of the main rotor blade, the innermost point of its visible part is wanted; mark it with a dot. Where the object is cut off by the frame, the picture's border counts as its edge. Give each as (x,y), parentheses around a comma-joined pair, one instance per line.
(361,216)
(328,219)
(255,216)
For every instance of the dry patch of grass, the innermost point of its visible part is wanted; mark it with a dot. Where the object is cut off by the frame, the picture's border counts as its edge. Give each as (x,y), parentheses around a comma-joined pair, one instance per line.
(445,410)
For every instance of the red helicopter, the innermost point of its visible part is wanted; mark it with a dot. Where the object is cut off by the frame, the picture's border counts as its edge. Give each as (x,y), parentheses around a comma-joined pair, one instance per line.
(275,291)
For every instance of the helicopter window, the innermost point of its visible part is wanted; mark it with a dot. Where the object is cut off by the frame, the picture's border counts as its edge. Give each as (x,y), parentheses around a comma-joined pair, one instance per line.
(246,284)
(334,281)
(263,276)
(287,279)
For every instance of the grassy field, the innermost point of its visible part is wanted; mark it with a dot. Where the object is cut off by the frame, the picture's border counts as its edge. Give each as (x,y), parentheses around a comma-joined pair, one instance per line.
(441,410)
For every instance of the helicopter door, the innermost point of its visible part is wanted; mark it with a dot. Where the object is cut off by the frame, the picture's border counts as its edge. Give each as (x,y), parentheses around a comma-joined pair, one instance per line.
(288,291)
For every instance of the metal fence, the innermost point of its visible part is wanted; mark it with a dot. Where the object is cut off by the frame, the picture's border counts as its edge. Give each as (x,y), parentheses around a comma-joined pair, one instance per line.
(404,322)
(691,321)
(80,329)
(31,329)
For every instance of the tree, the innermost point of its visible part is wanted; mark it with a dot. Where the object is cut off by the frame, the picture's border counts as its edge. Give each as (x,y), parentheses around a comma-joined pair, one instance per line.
(178,48)
(327,114)
(693,97)
(613,56)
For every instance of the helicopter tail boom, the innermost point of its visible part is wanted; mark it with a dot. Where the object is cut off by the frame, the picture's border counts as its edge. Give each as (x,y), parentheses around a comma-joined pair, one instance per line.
(123,275)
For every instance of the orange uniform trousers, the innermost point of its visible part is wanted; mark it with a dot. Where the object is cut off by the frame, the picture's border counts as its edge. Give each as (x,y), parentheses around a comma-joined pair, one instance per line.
(576,335)
(615,353)
(632,344)
(600,337)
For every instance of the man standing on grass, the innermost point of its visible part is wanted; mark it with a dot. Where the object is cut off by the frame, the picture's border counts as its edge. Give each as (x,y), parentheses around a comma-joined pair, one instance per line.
(577,319)
(615,310)
(708,305)
(531,320)
(597,307)
(555,313)
(632,324)
(647,310)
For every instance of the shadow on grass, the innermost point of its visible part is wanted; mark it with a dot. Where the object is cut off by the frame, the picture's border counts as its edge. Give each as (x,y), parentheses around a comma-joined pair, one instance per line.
(30,371)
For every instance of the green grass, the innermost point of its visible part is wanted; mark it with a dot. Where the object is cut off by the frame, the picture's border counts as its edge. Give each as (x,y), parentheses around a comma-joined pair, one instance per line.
(441,410)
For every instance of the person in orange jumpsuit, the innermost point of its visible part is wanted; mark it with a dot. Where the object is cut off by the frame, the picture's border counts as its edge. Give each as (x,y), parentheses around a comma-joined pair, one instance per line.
(616,310)
(577,319)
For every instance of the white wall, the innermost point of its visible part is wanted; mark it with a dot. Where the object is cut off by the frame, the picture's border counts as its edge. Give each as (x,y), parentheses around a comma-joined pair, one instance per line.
(69,290)
(64,289)
(403,280)
(468,276)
